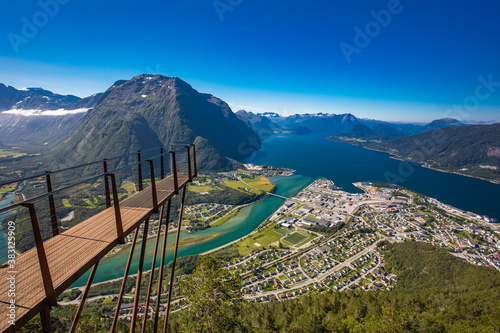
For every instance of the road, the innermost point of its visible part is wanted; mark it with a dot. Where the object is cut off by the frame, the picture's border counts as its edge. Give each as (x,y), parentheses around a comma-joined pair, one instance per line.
(318,278)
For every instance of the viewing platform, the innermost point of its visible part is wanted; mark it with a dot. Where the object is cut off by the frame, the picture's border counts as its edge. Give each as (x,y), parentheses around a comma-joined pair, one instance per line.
(40,274)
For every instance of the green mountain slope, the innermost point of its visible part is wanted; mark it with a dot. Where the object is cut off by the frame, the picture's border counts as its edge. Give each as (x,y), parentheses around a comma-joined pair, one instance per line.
(469,150)
(436,292)
(150,110)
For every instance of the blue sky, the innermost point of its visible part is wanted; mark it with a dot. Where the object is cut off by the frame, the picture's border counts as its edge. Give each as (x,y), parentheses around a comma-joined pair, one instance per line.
(421,60)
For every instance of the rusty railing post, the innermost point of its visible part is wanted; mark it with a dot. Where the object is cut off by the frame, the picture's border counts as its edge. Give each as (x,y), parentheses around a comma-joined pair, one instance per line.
(153,186)
(84,298)
(124,282)
(139,277)
(139,170)
(190,174)
(52,206)
(173,170)
(118,215)
(175,258)
(194,161)
(42,257)
(106,183)
(162,264)
(152,274)
(162,164)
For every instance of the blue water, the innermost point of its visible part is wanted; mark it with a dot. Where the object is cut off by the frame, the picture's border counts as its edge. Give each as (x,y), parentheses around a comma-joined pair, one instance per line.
(315,156)
(242,224)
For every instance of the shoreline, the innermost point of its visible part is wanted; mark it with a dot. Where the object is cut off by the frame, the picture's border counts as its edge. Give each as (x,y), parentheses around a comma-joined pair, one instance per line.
(127,246)
(423,165)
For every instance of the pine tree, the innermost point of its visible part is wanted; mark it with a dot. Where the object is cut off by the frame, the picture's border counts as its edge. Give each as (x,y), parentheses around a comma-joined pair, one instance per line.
(212,295)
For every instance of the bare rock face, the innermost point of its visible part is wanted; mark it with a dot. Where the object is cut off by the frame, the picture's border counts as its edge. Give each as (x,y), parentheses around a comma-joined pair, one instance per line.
(152,110)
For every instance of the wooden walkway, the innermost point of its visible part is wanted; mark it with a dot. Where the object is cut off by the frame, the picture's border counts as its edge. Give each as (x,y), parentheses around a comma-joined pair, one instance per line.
(74,252)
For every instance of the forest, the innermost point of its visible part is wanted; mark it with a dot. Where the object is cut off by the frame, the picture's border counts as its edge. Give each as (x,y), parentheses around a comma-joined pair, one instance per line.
(436,292)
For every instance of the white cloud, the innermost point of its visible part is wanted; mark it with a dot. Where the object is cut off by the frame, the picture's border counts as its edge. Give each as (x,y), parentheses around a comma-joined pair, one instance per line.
(30,113)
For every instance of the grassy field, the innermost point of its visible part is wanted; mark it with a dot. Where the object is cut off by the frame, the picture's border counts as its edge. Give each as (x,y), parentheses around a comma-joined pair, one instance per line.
(129,187)
(90,203)
(261,183)
(6,189)
(240,186)
(282,231)
(263,238)
(9,153)
(225,218)
(200,189)
(295,238)
(309,238)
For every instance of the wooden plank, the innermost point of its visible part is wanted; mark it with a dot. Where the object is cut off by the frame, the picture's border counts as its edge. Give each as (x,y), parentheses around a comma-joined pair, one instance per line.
(71,253)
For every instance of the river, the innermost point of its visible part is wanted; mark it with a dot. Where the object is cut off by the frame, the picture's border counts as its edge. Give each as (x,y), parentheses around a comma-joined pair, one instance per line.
(313,156)
(240,225)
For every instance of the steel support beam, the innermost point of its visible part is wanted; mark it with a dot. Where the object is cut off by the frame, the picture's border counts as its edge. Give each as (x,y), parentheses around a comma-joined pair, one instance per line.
(162,264)
(84,298)
(152,273)
(124,282)
(175,259)
(139,277)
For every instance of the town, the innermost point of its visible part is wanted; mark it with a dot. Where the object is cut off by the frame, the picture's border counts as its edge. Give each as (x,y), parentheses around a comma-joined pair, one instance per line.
(306,261)
(326,239)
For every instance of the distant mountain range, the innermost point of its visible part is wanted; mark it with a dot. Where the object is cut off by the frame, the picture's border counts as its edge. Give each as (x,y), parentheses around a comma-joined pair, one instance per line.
(152,110)
(268,123)
(38,99)
(469,150)
(377,132)
(21,123)
(144,112)
(333,124)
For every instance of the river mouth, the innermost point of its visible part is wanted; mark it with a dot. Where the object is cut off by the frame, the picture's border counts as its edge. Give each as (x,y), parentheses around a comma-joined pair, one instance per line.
(313,156)
(240,225)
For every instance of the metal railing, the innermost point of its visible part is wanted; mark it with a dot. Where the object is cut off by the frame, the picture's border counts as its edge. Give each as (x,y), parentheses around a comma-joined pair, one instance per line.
(175,148)
(111,199)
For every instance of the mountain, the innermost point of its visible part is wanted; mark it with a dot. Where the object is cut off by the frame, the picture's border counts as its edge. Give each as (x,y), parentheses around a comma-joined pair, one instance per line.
(34,99)
(361,134)
(86,103)
(387,132)
(152,110)
(361,131)
(36,117)
(37,131)
(319,123)
(470,150)
(406,128)
(261,124)
(334,124)
(376,130)
(441,123)
(323,123)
